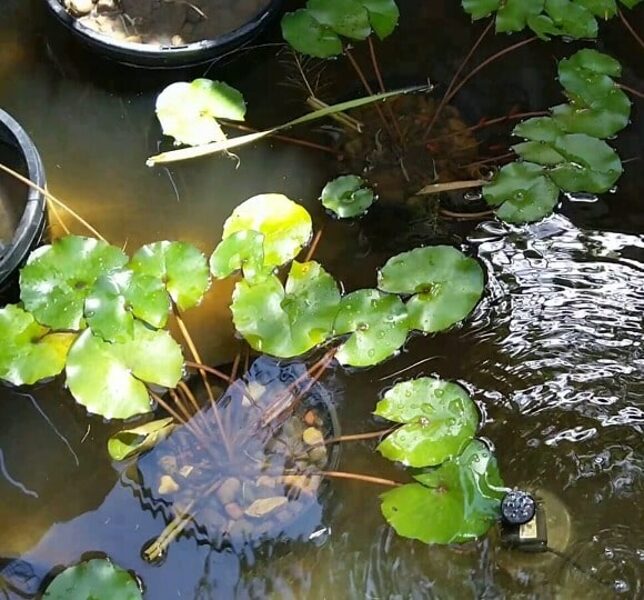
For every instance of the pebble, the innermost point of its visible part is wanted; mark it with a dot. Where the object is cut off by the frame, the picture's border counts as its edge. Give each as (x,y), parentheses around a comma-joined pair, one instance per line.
(167,485)
(168,464)
(265,506)
(311,418)
(79,7)
(312,436)
(228,490)
(234,511)
(318,455)
(303,483)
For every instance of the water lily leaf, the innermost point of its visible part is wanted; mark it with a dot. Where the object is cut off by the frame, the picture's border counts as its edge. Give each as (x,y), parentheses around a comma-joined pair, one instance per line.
(58,277)
(379,326)
(29,352)
(118,297)
(286,226)
(539,129)
(308,36)
(630,3)
(480,8)
(383,16)
(513,14)
(572,18)
(454,503)
(107,378)
(587,77)
(604,9)
(242,251)
(347,196)
(346,17)
(541,153)
(593,165)
(182,267)
(446,285)
(287,321)
(544,26)
(96,579)
(188,112)
(439,420)
(132,442)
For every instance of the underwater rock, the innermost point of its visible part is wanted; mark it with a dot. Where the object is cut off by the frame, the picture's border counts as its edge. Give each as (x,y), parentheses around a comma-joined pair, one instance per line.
(264,506)
(79,7)
(228,490)
(312,436)
(234,511)
(167,485)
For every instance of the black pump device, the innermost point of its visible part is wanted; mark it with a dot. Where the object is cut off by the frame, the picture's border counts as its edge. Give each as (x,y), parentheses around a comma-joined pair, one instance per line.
(523,524)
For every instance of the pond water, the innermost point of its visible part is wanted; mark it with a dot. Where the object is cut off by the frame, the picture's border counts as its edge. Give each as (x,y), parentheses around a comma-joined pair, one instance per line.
(552,355)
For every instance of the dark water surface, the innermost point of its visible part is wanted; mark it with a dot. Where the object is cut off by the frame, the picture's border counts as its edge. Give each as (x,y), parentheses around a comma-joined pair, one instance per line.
(553,354)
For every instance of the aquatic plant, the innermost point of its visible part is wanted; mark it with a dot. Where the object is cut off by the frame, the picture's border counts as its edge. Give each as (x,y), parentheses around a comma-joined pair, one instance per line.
(546,18)
(347,196)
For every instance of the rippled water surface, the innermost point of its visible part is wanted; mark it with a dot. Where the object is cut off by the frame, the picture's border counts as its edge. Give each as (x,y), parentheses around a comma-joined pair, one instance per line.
(552,355)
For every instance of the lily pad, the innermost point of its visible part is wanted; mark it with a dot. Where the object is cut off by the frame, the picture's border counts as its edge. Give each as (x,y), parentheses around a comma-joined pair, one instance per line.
(378,324)
(242,251)
(29,352)
(307,35)
(454,503)
(188,112)
(286,226)
(479,9)
(58,278)
(96,579)
(439,420)
(287,321)
(446,285)
(513,15)
(133,442)
(572,18)
(182,268)
(118,297)
(347,196)
(346,17)
(383,16)
(108,378)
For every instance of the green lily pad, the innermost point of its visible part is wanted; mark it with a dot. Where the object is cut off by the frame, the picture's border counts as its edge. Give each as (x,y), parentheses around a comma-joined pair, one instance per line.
(439,420)
(587,77)
(446,285)
(308,36)
(29,352)
(347,196)
(383,16)
(454,503)
(574,19)
(118,297)
(108,378)
(346,17)
(541,153)
(513,14)
(286,226)
(188,112)
(539,129)
(378,324)
(479,9)
(58,278)
(604,9)
(242,251)
(182,268)
(96,579)
(133,442)
(287,321)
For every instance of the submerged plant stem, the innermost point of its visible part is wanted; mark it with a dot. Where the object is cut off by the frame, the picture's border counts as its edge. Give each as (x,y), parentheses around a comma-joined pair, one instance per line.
(357,437)
(53,199)
(314,245)
(182,388)
(630,28)
(59,219)
(201,367)
(360,477)
(630,90)
(475,216)
(182,420)
(450,186)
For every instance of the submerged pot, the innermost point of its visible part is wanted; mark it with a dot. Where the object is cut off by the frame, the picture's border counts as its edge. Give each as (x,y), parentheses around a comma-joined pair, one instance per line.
(22,209)
(164,55)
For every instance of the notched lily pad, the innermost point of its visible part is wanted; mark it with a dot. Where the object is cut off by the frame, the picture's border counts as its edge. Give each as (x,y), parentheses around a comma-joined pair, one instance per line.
(108,378)
(132,442)
(347,196)
(445,285)
(242,251)
(29,352)
(180,266)
(285,225)
(454,503)
(346,17)
(307,35)
(188,112)
(383,16)
(58,278)
(378,324)
(439,419)
(96,579)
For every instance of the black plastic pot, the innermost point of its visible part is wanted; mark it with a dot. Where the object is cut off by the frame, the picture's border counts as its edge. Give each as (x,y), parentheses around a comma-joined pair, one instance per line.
(18,152)
(164,57)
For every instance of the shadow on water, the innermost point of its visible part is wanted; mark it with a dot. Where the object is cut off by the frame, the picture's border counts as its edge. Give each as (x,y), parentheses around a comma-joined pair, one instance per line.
(553,355)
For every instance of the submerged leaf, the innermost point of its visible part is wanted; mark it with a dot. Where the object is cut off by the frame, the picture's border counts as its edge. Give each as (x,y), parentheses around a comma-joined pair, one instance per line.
(188,112)
(107,378)
(285,225)
(58,278)
(132,442)
(454,503)
(181,266)
(29,352)
(242,251)
(346,17)
(347,196)
(378,324)
(307,35)
(439,420)
(446,285)
(287,321)
(96,579)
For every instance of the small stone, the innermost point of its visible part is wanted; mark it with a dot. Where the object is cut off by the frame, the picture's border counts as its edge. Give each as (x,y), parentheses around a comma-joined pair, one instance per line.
(168,464)
(318,455)
(312,436)
(311,418)
(264,506)
(266,481)
(234,511)
(79,7)
(186,470)
(167,485)
(177,40)
(228,490)
(303,483)
(106,6)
